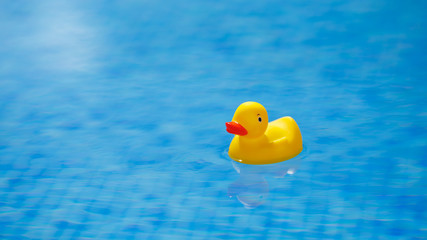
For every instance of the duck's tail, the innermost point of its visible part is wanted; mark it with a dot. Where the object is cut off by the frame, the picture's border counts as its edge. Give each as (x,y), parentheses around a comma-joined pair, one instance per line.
(294,137)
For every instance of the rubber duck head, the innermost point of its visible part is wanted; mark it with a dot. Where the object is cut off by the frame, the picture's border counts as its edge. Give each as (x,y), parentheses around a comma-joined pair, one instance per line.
(250,120)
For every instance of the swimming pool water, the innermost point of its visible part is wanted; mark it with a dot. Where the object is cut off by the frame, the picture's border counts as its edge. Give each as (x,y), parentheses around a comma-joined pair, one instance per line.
(112,119)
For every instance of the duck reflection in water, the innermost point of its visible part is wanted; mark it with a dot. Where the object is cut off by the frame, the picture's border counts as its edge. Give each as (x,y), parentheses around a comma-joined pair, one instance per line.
(251,188)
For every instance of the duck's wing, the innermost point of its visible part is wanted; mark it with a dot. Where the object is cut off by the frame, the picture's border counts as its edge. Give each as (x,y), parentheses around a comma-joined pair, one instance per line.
(285,130)
(281,141)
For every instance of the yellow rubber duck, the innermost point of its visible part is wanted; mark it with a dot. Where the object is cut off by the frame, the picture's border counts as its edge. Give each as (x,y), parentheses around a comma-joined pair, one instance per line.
(257,141)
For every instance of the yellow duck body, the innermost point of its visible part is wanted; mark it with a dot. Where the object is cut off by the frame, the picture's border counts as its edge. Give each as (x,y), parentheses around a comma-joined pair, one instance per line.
(257,141)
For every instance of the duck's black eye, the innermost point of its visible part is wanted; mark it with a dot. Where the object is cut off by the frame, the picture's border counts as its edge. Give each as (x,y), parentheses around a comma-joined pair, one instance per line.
(259,119)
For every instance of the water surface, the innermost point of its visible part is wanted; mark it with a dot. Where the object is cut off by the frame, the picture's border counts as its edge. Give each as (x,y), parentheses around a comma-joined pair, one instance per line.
(112,118)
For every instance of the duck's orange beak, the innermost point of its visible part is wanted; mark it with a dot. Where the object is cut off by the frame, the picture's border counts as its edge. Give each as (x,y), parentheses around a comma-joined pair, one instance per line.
(236,128)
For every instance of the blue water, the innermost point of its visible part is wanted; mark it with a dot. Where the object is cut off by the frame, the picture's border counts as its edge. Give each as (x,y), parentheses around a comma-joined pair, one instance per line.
(112,119)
